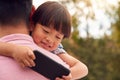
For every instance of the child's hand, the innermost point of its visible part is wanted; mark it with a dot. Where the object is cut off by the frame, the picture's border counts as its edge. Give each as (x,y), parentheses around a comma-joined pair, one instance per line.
(24,56)
(69,77)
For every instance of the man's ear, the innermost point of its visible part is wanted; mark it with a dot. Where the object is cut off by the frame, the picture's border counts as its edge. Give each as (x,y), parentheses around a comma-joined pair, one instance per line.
(31,26)
(32,11)
(31,22)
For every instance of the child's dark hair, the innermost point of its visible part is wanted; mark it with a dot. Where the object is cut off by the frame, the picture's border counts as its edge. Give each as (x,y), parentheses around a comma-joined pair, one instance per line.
(52,13)
(14,11)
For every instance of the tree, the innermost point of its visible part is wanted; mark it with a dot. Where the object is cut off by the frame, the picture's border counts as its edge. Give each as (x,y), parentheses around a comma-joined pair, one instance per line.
(116,27)
(100,55)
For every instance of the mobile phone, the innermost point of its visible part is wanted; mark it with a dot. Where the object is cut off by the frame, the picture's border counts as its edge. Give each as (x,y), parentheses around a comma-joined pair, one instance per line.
(48,67)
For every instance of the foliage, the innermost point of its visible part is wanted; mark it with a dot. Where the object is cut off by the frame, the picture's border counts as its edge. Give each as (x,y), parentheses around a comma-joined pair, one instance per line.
(102,55)
(116,27)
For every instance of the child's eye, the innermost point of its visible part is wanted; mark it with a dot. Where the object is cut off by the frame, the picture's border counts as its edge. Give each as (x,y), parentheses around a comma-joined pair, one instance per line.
(58,37)
(45,31)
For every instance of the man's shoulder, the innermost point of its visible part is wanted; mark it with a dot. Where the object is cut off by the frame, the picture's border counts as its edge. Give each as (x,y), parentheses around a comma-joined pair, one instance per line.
(20,39)
(15,37)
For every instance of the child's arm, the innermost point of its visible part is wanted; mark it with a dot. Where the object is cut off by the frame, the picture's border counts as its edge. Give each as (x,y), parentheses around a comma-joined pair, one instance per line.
(78,69)
(23,55)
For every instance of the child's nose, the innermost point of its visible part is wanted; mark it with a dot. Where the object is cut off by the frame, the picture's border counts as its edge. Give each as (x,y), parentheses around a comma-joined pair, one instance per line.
(49,39)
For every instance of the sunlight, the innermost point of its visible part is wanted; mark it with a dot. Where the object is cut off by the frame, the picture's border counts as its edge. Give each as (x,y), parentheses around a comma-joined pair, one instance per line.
(36,3)
(113,2)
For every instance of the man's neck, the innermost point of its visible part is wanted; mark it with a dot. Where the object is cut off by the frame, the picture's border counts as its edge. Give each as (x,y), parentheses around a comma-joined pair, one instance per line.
(7,30)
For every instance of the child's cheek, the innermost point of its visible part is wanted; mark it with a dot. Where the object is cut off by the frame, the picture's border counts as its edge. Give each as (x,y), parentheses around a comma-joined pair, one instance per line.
(36,40)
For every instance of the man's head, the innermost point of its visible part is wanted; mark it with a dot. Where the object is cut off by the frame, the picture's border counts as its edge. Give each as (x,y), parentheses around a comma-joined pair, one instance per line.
(12,12)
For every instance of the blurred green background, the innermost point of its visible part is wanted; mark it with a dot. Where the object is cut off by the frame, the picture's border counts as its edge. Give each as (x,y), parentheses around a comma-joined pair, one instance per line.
(102,53)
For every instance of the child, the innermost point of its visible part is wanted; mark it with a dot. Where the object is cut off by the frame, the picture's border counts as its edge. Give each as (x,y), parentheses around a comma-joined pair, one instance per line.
(51,24)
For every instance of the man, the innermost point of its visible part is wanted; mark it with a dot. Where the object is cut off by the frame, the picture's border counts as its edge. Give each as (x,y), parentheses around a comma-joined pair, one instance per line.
(14,18)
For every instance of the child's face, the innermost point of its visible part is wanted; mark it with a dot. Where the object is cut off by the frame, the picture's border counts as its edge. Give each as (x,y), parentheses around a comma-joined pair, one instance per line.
(46,37)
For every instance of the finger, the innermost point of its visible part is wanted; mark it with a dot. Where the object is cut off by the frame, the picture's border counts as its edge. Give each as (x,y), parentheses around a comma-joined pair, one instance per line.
(31,54)
(31,62)
(26,63)
(66,77)
(59,78)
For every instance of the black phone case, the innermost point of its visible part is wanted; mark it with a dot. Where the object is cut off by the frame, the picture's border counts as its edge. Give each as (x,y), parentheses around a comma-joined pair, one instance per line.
(48,67)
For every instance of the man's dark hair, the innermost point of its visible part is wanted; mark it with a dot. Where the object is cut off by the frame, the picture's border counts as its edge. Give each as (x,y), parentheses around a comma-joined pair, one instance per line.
(14,11)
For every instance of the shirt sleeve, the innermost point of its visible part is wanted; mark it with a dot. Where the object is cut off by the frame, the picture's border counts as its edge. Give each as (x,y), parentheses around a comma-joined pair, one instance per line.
(59,50)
